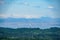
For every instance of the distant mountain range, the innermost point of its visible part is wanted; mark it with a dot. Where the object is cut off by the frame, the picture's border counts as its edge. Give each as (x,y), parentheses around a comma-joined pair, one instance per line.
(43,22)
(42,19)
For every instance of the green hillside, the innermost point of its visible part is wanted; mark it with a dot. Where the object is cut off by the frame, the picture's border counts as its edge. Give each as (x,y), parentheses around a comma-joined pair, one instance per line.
(30,34)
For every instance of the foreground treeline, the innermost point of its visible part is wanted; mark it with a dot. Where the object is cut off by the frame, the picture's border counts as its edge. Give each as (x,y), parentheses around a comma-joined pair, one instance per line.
(30,34)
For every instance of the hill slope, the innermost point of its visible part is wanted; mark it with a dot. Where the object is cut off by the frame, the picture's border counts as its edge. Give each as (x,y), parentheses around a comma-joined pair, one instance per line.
(30,34)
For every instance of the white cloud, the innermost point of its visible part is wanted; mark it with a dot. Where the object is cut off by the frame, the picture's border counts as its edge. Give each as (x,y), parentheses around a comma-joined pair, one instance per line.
(31,16)
(50,6)
(17,16)
(3,16)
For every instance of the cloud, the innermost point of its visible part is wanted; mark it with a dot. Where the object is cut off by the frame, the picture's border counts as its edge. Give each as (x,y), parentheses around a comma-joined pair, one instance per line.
(17,16)
(31,16)
(22,2)
(50,6)
(36,6)
(2,2)
(3,16)
(26,3)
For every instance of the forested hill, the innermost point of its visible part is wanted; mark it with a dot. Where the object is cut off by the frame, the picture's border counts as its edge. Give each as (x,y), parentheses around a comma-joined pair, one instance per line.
(30,34)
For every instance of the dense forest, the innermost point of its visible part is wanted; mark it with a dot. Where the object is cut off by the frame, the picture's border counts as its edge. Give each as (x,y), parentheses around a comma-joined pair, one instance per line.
(30,34)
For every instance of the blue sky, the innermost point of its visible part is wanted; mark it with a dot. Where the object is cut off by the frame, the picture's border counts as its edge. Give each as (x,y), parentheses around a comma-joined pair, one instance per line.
(29,8)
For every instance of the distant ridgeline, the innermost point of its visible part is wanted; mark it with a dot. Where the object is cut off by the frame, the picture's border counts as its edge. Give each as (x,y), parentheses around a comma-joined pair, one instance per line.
(44,22)
(30,34)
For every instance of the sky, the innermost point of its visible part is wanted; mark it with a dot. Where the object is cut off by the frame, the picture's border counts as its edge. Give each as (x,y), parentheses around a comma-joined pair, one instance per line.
(29,8)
